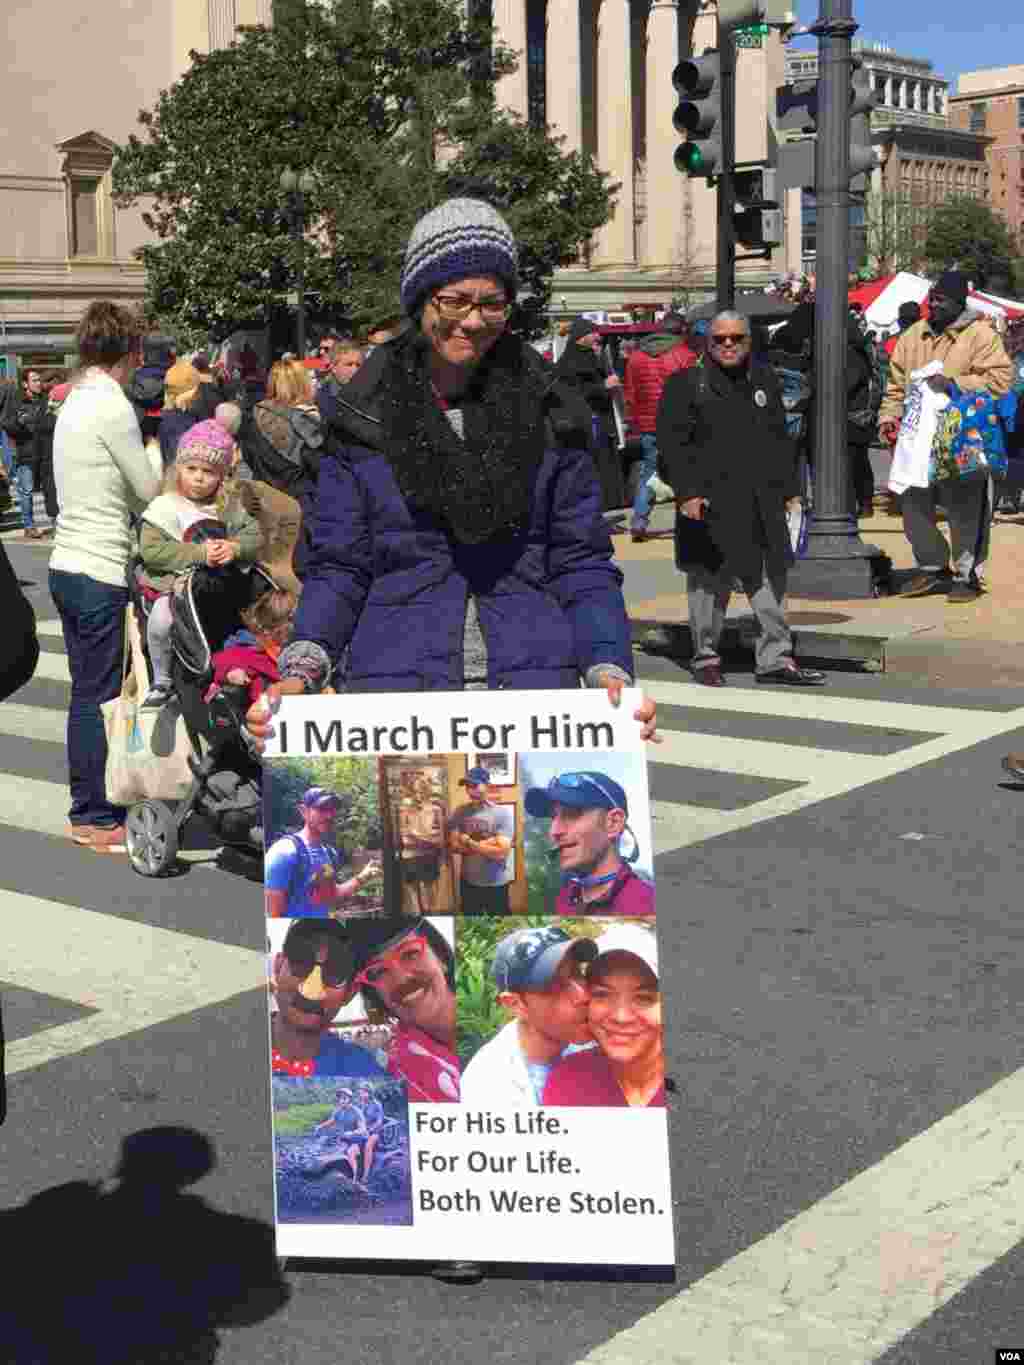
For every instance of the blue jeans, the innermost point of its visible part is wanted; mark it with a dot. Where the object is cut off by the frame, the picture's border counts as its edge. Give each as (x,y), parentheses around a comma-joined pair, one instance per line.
(23,486)
(644,500)
(6,452)
(92,618)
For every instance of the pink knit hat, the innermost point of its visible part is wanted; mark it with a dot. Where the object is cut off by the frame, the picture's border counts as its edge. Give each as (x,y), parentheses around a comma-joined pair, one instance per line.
(207,443)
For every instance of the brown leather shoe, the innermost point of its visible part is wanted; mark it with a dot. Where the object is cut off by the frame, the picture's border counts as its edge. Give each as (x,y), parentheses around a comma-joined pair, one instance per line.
(710,675)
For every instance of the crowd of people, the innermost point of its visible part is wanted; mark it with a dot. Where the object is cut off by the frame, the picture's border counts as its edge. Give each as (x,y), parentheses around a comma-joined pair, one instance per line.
(443,462)
(437,457)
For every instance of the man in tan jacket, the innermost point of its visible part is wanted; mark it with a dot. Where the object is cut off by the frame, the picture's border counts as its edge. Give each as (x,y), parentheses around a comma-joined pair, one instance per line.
(973,357)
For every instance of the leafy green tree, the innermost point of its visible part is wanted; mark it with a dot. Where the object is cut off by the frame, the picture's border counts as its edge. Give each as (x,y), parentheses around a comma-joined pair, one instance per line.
(894,231)
(389,105)
(967,234)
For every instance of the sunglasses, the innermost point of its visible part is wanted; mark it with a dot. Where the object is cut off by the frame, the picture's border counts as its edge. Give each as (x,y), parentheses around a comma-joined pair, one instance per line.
(409,953)
(729,338)
(575,781)
(335,967)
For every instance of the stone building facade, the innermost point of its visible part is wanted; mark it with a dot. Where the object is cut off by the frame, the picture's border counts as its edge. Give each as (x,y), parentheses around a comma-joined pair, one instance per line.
(73,85)
(909,89)
(990,104)
(599,72)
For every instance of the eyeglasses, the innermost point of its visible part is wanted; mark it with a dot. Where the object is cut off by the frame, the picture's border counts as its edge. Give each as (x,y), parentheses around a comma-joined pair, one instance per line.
(577,780)
(729,338)
(408,953)
(457,307)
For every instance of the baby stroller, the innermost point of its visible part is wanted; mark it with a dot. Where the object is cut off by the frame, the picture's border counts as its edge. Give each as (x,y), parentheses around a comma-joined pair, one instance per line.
(227,787)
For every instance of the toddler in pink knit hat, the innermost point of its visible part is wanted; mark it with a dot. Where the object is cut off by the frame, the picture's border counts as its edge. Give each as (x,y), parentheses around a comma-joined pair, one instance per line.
(184,527)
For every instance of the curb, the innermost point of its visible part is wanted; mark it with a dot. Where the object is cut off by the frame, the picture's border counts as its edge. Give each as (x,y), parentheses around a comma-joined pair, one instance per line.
(869,651)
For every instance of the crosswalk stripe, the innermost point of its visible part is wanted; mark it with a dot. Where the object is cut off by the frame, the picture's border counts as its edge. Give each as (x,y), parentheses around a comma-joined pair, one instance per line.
(846,1279)
(133,975)
(675,824)
(842,778)
(53,666)
(757,758)
(30,803)
(51,626)
(33,722)
(816,705)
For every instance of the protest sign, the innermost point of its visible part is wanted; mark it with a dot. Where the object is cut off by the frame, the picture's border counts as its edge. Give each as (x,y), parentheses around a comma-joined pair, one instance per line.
(466,1043)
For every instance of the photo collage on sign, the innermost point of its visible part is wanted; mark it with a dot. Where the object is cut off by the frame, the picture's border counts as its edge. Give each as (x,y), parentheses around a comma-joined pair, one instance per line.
(450,928)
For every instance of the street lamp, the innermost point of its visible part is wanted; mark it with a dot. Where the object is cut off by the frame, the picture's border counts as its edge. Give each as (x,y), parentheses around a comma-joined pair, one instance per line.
(295,186)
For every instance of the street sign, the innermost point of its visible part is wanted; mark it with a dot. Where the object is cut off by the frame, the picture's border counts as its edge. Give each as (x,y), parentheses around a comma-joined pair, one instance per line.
(752,36)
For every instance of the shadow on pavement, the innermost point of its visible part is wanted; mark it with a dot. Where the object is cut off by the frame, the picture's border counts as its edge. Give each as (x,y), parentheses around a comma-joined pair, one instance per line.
(134,1272)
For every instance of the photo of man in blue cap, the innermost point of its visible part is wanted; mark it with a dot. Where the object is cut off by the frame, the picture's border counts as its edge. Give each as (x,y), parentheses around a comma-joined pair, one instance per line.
(301,869)
(483,833)
(540,976)
(588,812)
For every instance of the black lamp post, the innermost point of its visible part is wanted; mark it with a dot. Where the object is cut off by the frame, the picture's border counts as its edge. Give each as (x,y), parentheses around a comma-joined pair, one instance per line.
(295,186)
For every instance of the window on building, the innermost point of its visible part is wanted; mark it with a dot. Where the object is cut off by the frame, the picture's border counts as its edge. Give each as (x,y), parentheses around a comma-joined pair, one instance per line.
(536,62)
(978,118)
(90,214)
(85,218)
(1020,111)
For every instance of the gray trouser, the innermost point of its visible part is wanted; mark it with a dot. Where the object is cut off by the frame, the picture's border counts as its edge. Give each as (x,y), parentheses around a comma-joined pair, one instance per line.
(968,509)
(708,597)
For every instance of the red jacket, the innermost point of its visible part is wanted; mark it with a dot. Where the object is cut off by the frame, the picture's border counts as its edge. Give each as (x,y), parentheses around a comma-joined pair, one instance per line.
(645,379)
(252,659)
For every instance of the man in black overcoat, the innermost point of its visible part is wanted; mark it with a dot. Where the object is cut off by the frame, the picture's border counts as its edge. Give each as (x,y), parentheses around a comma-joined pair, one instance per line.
(723,446)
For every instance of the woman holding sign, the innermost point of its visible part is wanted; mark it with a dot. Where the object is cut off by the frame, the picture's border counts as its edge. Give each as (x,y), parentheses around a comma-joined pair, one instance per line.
(458,539)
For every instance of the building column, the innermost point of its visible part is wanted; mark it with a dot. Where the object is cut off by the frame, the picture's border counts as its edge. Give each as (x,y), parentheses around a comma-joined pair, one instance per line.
(564,63)
(222,21)
(509,17)
(614,114)
(670,239)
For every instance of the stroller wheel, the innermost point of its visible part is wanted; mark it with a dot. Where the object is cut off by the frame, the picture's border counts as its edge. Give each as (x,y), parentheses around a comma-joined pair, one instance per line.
(151,833)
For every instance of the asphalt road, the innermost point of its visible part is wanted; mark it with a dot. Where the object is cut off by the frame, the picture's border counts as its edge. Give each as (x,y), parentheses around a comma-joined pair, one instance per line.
(842,968)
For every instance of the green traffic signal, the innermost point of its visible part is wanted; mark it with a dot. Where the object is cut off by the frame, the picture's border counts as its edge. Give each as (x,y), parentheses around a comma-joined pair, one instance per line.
(690,158)
(699,115)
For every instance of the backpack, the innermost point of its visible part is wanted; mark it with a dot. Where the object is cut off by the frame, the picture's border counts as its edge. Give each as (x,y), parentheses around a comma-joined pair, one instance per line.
(866,418)
(294,472)
(302,867)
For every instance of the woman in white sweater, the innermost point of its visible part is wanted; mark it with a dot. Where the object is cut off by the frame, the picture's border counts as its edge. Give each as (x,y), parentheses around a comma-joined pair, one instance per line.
(103,475)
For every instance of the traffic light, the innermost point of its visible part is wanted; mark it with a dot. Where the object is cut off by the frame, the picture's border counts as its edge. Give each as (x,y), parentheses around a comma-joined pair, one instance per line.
(699,115)
(758,217)
(863,156)
(796,111)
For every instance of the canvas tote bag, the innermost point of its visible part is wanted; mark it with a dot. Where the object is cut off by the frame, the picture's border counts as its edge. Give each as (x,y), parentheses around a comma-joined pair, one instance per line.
(147,751)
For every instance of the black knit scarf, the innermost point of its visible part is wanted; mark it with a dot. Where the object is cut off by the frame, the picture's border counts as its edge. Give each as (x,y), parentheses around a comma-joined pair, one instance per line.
(480,485)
